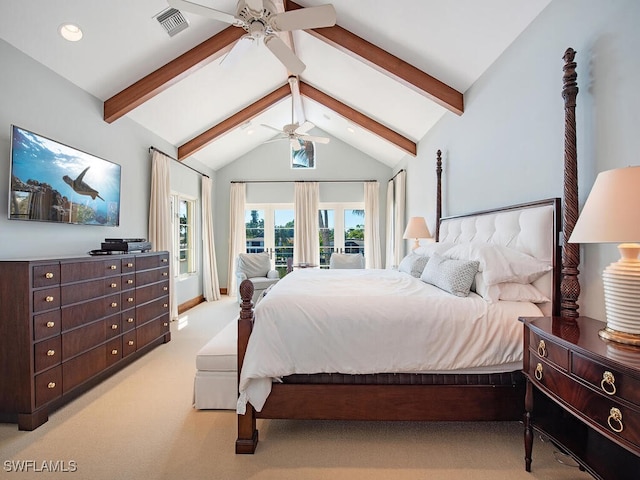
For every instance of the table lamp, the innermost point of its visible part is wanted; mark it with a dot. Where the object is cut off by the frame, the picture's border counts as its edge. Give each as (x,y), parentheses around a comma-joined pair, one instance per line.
(611,214)
(416,229)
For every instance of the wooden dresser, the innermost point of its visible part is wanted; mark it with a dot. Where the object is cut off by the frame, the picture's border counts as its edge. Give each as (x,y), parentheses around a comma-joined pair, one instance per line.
(67,324)
(584,393)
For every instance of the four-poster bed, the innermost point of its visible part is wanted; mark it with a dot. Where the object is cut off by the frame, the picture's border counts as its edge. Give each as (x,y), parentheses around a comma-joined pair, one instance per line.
(426,395)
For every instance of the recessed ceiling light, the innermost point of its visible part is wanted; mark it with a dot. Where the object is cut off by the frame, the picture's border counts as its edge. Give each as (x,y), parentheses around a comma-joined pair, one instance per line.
(70,31)
(351,130)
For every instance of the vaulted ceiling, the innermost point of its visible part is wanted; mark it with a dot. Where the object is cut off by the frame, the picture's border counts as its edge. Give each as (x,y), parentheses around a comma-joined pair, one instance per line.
(378,80)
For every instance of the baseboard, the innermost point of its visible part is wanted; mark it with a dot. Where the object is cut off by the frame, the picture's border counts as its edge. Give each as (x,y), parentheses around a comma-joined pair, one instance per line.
(223,291)
(183,307)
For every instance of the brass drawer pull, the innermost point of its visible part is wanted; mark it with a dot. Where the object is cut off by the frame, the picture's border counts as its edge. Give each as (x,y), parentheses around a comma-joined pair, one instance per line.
(129,265)
(48,298)
(165,305)
(608,379)
(130,320)
(114,285)
(130,343)
(114,304)
(130,299)
(165,260)
(129,282)
(114,352)
(542,349)
(48,275)
(114,326)
(51,353)
(165,288)
(615,416)
(164,274)
(538,372)
(51,385)
(51,324)
(113,267)
(165,324)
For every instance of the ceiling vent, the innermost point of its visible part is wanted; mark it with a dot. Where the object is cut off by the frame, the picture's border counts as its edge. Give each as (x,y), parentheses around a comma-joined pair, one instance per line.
(172,21)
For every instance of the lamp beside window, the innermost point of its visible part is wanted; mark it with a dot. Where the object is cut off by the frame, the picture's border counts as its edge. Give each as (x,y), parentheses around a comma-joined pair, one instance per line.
(611,214)
(416,229)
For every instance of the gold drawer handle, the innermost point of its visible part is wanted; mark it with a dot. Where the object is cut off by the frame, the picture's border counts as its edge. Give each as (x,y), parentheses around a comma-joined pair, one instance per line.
(164,274)
(129,282)
(48,298)
(114,285)
(129,265)
(114,352)
(51,353)
(130,299)
(130,343)
(542,349)
(130,320)
(114,304)
(608,379)
(51,385)
(615,416)
(114,326)
(48,275)
(165,288)
(51,324)
(165,305)
(113,267)
(538,372)
(165,260)
(165,324)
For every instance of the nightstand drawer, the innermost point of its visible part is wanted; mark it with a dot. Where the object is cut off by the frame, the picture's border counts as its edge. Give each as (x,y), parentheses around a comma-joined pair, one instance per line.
(545,375)
(607,380)
(551,352)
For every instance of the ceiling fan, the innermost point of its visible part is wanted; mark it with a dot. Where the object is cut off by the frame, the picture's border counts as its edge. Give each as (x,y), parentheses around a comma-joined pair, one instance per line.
(294,132)
(259,18)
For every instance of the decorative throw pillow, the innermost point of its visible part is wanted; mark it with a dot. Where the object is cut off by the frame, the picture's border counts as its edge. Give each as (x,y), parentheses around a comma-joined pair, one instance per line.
(413,264)
(450,275)
(500,264)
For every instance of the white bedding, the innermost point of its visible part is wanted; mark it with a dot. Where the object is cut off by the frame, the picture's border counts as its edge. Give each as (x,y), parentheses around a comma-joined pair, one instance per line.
(374,321)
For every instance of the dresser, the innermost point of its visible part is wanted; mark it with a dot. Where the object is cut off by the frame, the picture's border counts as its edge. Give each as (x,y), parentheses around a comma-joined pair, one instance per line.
(584,393)
(67,324)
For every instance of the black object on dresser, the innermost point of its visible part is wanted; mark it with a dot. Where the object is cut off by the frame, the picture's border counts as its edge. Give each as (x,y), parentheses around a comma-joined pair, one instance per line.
(584,393)
(67,324)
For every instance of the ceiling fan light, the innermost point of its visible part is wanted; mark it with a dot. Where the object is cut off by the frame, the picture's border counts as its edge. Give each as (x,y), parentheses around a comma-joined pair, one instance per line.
(70,31)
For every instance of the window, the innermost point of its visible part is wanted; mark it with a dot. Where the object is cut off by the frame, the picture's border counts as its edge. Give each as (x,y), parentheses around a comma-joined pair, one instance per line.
(269,228)
(184,214)
(341,229)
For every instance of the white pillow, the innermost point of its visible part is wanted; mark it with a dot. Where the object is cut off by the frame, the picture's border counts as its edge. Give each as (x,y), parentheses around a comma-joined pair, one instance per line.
(431,248)
(413,264)
(453,276)
(509,291)
(500,264)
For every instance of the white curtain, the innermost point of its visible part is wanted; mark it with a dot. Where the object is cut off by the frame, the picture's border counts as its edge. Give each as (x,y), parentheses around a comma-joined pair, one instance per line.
(237,232)
(160,230)
(395,218)
(372,225)
(210,284)
(306,244)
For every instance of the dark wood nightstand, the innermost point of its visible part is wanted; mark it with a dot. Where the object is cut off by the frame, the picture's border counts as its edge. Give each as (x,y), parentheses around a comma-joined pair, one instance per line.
(584,393)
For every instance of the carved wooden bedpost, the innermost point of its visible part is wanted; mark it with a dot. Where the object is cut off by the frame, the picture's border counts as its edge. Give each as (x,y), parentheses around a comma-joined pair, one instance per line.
(570,286)
(247,433)
(438,193)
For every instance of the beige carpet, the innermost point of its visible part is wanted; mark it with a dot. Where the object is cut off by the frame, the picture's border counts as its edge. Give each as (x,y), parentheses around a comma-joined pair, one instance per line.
(139,424)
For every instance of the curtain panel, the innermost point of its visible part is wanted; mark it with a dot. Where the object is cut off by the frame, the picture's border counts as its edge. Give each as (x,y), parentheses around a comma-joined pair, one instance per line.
(237,232)
(306,232)
(372,225)
(210,284)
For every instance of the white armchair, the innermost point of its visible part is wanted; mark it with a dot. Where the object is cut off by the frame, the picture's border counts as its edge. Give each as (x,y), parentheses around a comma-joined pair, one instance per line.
(257,268)
(346,260)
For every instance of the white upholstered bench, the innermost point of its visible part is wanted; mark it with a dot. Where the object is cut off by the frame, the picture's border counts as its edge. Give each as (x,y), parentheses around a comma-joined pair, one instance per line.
(216,381)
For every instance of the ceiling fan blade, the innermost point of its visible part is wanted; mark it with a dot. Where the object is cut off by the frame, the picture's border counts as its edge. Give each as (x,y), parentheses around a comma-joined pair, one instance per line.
(305,127)
(276,139)
(198,9)
(239,49)
(283,53)
(311,138)
(305,18)
(270,127)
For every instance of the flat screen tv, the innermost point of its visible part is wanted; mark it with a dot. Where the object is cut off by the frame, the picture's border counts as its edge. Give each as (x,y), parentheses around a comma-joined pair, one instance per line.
(52,182)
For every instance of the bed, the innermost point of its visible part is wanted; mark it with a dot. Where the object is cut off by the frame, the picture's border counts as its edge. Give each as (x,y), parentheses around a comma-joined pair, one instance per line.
(358,381)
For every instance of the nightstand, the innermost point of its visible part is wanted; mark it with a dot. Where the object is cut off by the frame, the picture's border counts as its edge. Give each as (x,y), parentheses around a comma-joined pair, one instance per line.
(584,393)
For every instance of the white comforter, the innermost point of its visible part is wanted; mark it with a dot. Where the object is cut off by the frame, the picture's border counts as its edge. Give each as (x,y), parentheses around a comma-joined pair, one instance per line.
(373,321)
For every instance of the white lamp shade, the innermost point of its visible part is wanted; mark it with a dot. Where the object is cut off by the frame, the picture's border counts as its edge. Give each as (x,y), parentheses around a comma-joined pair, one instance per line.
(612,210)
(417,228)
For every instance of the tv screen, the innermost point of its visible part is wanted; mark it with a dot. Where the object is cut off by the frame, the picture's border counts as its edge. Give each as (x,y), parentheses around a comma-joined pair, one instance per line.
(52,182)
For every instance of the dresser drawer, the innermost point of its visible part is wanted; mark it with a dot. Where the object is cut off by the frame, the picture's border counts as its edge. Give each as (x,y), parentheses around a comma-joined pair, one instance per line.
(48,385)
(82,339)
(113,325)
(609,381)
(47,353)
(82,313)
(144,262)
(46,325)
(128,343)
(128,281)
(128,265)
(151,331)
(128,320)
(80,292)
(112,284)
(46,299)
(152,276)
(81,271)
(149,292)
(128,299)
(551,352)
(114,350)
(151,310)
(83,367)
(46,275)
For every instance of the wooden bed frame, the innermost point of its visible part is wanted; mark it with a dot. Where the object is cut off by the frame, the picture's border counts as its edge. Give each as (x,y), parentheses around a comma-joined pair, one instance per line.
(429,397)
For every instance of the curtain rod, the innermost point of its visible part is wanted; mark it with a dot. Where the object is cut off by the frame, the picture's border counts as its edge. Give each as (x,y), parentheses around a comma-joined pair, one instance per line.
(397,173)
(303,181)
(176,160)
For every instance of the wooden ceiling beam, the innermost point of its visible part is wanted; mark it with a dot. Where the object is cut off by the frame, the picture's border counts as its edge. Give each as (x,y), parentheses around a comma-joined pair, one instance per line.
(388,64)
(171,73)
(234,121)
(358,118)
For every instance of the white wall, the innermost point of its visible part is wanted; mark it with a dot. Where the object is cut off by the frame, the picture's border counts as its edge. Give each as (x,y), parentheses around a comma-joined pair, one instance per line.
(508,146)
(35,98)
(334,161)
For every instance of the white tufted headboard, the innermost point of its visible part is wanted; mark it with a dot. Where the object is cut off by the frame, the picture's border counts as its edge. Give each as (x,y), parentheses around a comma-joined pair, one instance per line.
(532,228)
